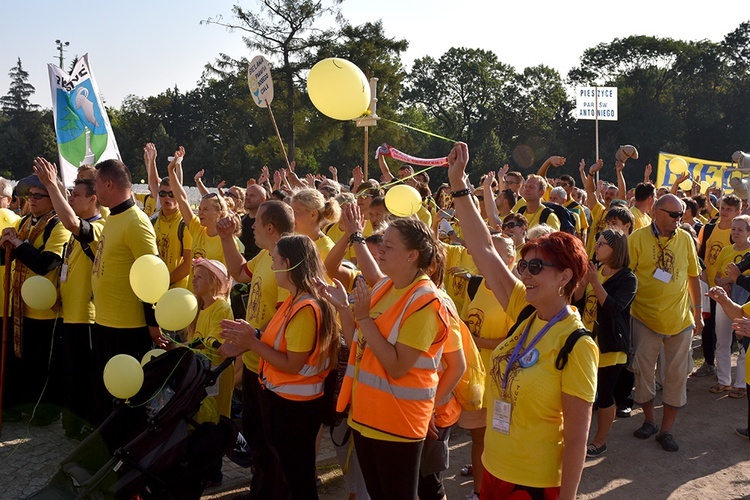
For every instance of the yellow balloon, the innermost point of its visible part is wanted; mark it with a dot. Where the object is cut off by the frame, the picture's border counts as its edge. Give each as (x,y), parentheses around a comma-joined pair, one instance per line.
(403,200)
(338,89)
(149,278)
(123,376)
(176,309)
(38,293)
(153,353)
(686,185)
(7,218)
(678,165)
(704,186)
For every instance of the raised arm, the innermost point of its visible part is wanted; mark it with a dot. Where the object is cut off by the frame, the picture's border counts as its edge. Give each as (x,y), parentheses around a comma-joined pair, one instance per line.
(499,278)
(354,222)
(588,180)
(556,161)
(149,159)
(385,172)
(680,179)
(622,188)
(47,173)
(198,178)
(647,173)
(179,192)
(490,208)
(236,263)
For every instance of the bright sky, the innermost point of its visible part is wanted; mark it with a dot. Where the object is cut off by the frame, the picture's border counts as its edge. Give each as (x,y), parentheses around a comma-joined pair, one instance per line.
(143,48)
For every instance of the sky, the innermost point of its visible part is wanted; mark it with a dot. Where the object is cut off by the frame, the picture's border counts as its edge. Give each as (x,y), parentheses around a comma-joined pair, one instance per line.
(143,48)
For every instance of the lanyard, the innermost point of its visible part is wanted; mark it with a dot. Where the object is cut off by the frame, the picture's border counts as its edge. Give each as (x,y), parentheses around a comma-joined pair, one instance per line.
(519,352)
(662,249)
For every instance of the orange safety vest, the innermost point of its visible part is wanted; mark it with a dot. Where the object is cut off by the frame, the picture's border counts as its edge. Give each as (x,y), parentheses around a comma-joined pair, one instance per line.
(307,384)
(401,407)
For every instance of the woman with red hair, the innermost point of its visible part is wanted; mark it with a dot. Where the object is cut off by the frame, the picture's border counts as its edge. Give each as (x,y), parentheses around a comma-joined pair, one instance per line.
(538,401)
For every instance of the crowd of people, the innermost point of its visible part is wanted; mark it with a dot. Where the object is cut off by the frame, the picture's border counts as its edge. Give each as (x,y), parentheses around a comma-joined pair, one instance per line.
(567,301)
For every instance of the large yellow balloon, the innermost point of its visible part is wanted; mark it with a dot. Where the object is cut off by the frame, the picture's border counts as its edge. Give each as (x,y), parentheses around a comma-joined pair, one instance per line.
(403,200)
(338,89)
(176,309)
(123,376)
(678,165)
(153,353)
(149,278)
(704,186)
(7,218)
(39,293)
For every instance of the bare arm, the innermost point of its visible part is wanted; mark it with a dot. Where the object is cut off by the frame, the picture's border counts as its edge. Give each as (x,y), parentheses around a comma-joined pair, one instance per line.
(149,159)
(730,308)
(557,161)
(696,299)
(236,263)
(47,173)
(182,270)
(239,333)
(591,198)
(385,172)
(490,208)
(647,173)
(622,188)
(179,192)
(680,179)
(455,366)
(497,275)
(577,419)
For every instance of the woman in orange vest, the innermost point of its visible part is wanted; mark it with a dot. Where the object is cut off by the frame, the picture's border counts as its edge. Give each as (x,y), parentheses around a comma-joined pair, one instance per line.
(392,380)
(297,350)
(538,405)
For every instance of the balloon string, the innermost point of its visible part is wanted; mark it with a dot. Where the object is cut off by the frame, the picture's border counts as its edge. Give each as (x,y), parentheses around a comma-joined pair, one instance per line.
(166,381)
(419,130)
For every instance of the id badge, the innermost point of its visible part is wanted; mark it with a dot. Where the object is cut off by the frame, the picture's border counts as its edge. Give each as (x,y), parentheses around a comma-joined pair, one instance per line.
(213,390)
(64,273)
(663,276)
(501,416)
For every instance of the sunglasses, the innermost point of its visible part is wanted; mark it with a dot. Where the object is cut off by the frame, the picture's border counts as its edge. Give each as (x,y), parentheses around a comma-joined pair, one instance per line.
(511,225)
(510,181)
(164,194)
(674,215)
(534,266)
(209,195)
(37,196)
(231,194)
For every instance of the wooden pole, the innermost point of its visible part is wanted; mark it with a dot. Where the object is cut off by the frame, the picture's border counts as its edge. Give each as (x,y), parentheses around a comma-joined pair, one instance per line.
(281,143)
(596,126)
(367,153)
(6,325)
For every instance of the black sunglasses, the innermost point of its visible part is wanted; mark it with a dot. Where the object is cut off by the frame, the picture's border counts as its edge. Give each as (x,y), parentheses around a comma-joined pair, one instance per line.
(164,194)
(38,196)
(674,215)
(511,225)
(210,195)
(534,266)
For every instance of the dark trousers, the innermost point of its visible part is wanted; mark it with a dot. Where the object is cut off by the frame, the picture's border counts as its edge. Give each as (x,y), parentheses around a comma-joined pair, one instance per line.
(106,342)
(267,480)
(390,469)
(708,335)
(623,392)
(35,376)
(292,427)
(76,376)
(607,378)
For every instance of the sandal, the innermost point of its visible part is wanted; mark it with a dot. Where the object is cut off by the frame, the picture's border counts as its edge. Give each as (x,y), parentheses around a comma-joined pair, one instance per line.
(719,388)
(738,393)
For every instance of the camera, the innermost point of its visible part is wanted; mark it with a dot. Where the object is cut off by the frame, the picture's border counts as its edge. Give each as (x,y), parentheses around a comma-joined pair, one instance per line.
(744,263)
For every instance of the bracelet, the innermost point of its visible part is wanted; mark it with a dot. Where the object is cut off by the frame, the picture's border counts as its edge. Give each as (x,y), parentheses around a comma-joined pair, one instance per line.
(356,238)
(257,334)
(460,193)
(697,307)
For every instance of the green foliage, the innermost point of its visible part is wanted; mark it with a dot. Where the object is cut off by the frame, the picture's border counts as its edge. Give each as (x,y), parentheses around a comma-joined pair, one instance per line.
(16,101)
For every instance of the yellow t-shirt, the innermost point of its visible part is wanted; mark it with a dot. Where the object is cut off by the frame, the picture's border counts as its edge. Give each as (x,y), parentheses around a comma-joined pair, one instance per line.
(727,256)
(425,215)
(578,209)
(148,201)
(75,289)
(301,332)
(263,300)
(534,218)
(418,331)
(205,246)
(487,319)
(598,224)
(324,245)
(663,307)
(447,414)
(208,326)
(639,218)
(336,233)
(531,453)
(456,256)
(7,219)
(125,237)
(58,238)
(167,229)
(718,239)
(589,316)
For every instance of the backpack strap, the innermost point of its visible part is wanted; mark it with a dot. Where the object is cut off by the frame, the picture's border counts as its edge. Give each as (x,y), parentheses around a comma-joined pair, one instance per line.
(48,231)
(545,215)
(570,342)
(522,316)
(473,287)
(181,235)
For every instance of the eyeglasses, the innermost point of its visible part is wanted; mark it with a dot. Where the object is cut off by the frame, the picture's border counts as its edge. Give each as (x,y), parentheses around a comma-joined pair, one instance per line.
(674,215)
(37,196)
(231,194)
(511,225)
(210,195)
(564,184)
(510,181)
(601,244)
(534,266)
(164,194)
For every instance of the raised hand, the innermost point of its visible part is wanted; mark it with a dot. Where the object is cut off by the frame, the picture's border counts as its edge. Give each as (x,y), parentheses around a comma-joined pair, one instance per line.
(178,156)
(336,294)
(556,161)
(264,175)
(457,161)
(361,300)
(221,185)
(334,173)
(46,171)
(225,227)
(352,219)
(149,153)
(358,175)
(596,166)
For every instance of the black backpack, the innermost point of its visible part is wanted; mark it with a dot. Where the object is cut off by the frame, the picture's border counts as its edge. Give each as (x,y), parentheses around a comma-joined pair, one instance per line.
(565,216)
(570,342)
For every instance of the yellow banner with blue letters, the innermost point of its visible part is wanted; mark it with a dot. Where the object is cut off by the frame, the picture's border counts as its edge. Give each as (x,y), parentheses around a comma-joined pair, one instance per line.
(715,173)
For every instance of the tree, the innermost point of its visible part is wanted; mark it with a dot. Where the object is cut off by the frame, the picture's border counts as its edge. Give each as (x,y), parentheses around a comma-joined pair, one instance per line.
(286,29)
(17,99)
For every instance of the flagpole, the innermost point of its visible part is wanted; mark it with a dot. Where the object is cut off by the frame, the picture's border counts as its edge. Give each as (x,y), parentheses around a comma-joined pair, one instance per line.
(278,135)
(596,127)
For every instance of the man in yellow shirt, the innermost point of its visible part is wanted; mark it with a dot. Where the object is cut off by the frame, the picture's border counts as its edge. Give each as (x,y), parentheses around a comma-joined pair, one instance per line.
(644,202)
(665,262)
(534,211)
(38,241)
(174,241)
(124,324)
(273,220)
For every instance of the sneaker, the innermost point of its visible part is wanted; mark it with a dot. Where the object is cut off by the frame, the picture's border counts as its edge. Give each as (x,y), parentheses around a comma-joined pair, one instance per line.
(646,430)
(592,451)
(624,412)
(704,370)
(666,440)
(742,432)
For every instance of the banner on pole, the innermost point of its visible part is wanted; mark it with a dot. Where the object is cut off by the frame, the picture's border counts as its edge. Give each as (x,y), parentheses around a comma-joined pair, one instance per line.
(587,100)
(84,134)
(715,173)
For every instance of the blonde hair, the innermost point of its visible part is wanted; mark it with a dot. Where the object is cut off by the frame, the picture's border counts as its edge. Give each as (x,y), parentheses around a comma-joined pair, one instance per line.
(329,211)
(218,202)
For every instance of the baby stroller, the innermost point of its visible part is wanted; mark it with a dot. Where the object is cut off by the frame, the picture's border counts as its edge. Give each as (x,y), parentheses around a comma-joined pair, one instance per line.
(151,447)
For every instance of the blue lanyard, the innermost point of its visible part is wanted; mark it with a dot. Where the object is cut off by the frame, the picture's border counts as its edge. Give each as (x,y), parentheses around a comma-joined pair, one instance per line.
(517,351)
